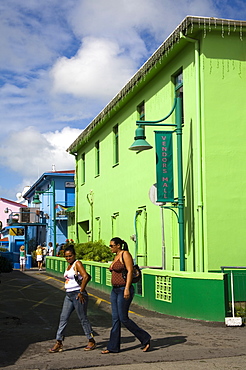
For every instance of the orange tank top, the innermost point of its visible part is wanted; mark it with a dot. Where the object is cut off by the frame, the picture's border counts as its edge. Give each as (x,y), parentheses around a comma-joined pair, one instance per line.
(116,268)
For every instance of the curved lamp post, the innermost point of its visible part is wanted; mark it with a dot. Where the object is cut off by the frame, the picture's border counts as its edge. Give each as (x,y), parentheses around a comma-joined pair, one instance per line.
(141,144)
(36,200)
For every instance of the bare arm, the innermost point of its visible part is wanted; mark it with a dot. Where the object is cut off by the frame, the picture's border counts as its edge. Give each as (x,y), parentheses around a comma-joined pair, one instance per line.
(129,266)
(80,268)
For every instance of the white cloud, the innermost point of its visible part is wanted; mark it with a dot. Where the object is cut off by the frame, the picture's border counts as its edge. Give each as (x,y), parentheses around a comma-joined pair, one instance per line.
(31,153)
(114,40)
(129,23)
(61,140)
(98,70)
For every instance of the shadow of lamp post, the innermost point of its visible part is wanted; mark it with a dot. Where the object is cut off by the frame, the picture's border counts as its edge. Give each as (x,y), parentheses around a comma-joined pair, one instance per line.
(36,200)
(164,158)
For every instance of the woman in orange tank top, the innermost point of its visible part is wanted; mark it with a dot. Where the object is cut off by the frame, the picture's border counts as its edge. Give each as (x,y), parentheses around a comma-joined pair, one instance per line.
(121,298)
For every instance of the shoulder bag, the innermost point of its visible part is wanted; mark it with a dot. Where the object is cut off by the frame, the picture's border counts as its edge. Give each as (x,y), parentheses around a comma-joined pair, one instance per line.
(76,276)
(136,275)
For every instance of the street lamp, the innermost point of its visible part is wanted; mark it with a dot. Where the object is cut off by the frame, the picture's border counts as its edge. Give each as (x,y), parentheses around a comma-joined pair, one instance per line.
(6,210)
(13,217)
(36,200)
(141,144)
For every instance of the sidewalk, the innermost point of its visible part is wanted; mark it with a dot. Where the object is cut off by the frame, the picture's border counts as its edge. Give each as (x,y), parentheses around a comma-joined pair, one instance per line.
(225,363)
(30,305)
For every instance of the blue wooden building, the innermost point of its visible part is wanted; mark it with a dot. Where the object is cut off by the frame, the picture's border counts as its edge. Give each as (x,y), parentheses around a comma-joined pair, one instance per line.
(48,198)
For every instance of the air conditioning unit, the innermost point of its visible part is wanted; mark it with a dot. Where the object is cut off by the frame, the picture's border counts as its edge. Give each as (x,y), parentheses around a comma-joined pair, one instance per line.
(28,215)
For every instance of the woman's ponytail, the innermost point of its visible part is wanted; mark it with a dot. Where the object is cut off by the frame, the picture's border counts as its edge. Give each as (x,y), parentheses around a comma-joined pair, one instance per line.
(125,245)
(121,242)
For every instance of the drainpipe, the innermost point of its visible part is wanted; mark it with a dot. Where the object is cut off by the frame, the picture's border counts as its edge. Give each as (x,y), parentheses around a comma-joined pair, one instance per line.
(54,213)
(91,201)
(76,204)
(138,212)
(163,240)
(76,199)
(99,227)
(199,266)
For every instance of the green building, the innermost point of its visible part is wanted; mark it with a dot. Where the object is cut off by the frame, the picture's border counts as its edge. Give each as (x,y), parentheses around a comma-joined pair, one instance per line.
(204,63)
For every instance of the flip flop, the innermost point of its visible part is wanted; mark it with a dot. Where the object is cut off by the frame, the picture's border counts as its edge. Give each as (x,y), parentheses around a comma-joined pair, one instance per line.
(146,347)
(105,352)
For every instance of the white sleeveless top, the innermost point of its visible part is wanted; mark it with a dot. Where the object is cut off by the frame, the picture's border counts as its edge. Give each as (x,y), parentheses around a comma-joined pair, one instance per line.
(70,283)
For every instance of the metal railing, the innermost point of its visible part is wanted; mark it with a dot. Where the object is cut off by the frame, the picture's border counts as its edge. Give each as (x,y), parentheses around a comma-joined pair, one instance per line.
(239,289)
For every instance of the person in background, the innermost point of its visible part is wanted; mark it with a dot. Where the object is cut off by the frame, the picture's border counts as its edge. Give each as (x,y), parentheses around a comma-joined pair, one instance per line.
(39,257)
(22,258)
(51,249)
(45,252)
(121,297)
(76,298)
(58,247)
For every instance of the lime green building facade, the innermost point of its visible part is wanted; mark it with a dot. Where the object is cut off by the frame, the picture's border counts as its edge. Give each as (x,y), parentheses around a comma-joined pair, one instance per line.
(204,60)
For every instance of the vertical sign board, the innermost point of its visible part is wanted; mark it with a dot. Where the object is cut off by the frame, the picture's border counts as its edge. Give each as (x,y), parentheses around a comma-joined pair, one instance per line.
(164,166)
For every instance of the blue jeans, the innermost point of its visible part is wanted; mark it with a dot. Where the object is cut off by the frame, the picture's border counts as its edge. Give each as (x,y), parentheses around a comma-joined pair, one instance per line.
(69,305)
(120,307)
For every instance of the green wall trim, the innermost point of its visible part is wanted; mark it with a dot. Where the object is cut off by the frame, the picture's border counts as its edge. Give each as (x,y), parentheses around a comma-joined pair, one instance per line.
(185,274)
(182,274)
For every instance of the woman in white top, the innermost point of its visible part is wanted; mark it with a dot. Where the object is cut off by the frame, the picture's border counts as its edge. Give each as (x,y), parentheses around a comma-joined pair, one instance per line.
(76,299)
(22,258)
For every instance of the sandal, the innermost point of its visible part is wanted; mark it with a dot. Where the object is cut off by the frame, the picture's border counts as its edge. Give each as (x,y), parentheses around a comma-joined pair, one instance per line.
(146,347)
(105,352)
(58,347)
(90,346)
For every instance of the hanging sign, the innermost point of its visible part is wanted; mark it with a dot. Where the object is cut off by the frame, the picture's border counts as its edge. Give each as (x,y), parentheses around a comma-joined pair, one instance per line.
(164,166)
(16,232)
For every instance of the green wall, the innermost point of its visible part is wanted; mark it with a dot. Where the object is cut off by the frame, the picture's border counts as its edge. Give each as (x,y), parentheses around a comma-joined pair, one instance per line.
(224,150)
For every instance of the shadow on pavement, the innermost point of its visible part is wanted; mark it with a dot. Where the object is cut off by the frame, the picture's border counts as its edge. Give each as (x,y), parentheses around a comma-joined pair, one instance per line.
(156,343)
(30,310)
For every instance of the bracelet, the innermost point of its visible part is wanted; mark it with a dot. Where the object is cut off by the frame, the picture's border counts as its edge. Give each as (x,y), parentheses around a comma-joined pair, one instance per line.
(81,293)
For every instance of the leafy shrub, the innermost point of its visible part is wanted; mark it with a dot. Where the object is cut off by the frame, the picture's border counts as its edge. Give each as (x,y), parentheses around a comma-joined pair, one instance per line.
(5,265)
(94,251)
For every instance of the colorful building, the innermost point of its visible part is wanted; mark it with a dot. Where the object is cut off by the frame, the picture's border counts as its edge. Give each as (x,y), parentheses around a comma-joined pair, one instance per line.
(48,199)
(13,236)
(197,78)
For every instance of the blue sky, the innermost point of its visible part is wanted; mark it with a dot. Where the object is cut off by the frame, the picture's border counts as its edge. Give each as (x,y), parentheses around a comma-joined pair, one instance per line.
(61,62)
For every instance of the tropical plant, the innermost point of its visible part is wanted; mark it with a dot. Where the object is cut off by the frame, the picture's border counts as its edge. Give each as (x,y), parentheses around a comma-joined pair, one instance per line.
(93,251)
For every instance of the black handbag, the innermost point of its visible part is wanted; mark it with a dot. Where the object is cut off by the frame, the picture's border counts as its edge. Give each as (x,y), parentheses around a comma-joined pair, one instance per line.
(136,275)
(78,278)
(79,281)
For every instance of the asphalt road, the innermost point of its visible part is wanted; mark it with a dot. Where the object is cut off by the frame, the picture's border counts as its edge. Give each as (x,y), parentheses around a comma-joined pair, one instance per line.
(30,305)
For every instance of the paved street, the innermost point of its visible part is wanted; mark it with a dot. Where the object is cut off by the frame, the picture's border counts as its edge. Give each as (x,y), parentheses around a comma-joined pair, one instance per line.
(29,313)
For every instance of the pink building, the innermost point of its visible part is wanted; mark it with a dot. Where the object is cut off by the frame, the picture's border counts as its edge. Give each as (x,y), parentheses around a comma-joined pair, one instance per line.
(6,208)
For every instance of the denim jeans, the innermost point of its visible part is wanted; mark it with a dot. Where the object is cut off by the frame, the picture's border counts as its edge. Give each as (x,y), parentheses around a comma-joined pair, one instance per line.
(69,305)
(120,307)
